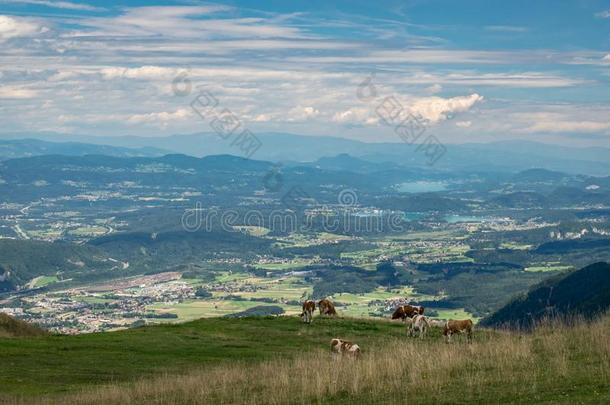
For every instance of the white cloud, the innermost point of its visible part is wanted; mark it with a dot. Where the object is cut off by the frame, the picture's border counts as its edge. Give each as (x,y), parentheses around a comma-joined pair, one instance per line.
(113,74)
(435,88)
(12,27)
(262,118)
(418,56)
(56,4)
(14,92)
(179,22)
(463,124)
(301,114)
(432,109)
(517,80)
(603,14)
(569,126)
(357,115)
(162,118)
(144,72)
(586,119)
(436,109)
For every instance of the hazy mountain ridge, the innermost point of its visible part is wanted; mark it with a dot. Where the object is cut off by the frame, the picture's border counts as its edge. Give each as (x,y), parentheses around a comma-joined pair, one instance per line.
(19,148)
(510,156)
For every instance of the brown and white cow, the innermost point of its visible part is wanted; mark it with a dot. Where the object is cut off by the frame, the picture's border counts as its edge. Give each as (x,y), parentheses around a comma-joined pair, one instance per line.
(338,346)
(405,312)
(309,307)
(327,307)
(419,324)
(463,326)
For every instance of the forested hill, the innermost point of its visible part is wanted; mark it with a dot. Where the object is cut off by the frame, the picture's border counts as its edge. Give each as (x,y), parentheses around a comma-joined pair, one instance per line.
(584,292)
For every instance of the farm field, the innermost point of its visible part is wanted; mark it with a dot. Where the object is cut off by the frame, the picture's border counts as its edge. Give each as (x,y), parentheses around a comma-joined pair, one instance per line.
(195,309)
(544,267)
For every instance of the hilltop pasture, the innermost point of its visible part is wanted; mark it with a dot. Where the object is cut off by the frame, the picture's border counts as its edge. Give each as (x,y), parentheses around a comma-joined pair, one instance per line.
(280,360)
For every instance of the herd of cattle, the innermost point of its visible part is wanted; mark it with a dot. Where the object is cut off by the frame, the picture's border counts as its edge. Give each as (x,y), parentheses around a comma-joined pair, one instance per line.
(413,315)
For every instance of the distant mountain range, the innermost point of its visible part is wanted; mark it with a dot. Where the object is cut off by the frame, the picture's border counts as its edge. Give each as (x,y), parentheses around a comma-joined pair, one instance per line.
(585,292)
(507,156)
(223,176)
(19,148)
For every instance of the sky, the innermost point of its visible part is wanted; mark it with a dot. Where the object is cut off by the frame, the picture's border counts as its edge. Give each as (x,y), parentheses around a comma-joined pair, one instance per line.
(473,71)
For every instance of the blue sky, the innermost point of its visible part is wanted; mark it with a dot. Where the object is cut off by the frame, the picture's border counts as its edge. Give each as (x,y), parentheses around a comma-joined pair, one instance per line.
(476,71)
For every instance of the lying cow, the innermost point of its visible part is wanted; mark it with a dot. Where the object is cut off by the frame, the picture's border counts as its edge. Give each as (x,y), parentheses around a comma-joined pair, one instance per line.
(405,312)
(338,346)
(463,326)
(327,307)
(309,307)
(419,324)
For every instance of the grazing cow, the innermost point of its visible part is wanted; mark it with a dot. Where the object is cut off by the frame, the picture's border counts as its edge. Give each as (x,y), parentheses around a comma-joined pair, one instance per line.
(464,326)
(420,325)
(327,307)
(309,307)
(338,346)
(405,312)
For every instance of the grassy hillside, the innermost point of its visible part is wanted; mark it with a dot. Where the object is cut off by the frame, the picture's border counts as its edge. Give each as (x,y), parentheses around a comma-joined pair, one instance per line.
(11,327)
(585,292)
(280,360)
(65,363)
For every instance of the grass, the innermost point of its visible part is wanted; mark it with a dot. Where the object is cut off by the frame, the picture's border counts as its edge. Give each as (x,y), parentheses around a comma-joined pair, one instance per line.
(279,360)
(61,364)
(42,281)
